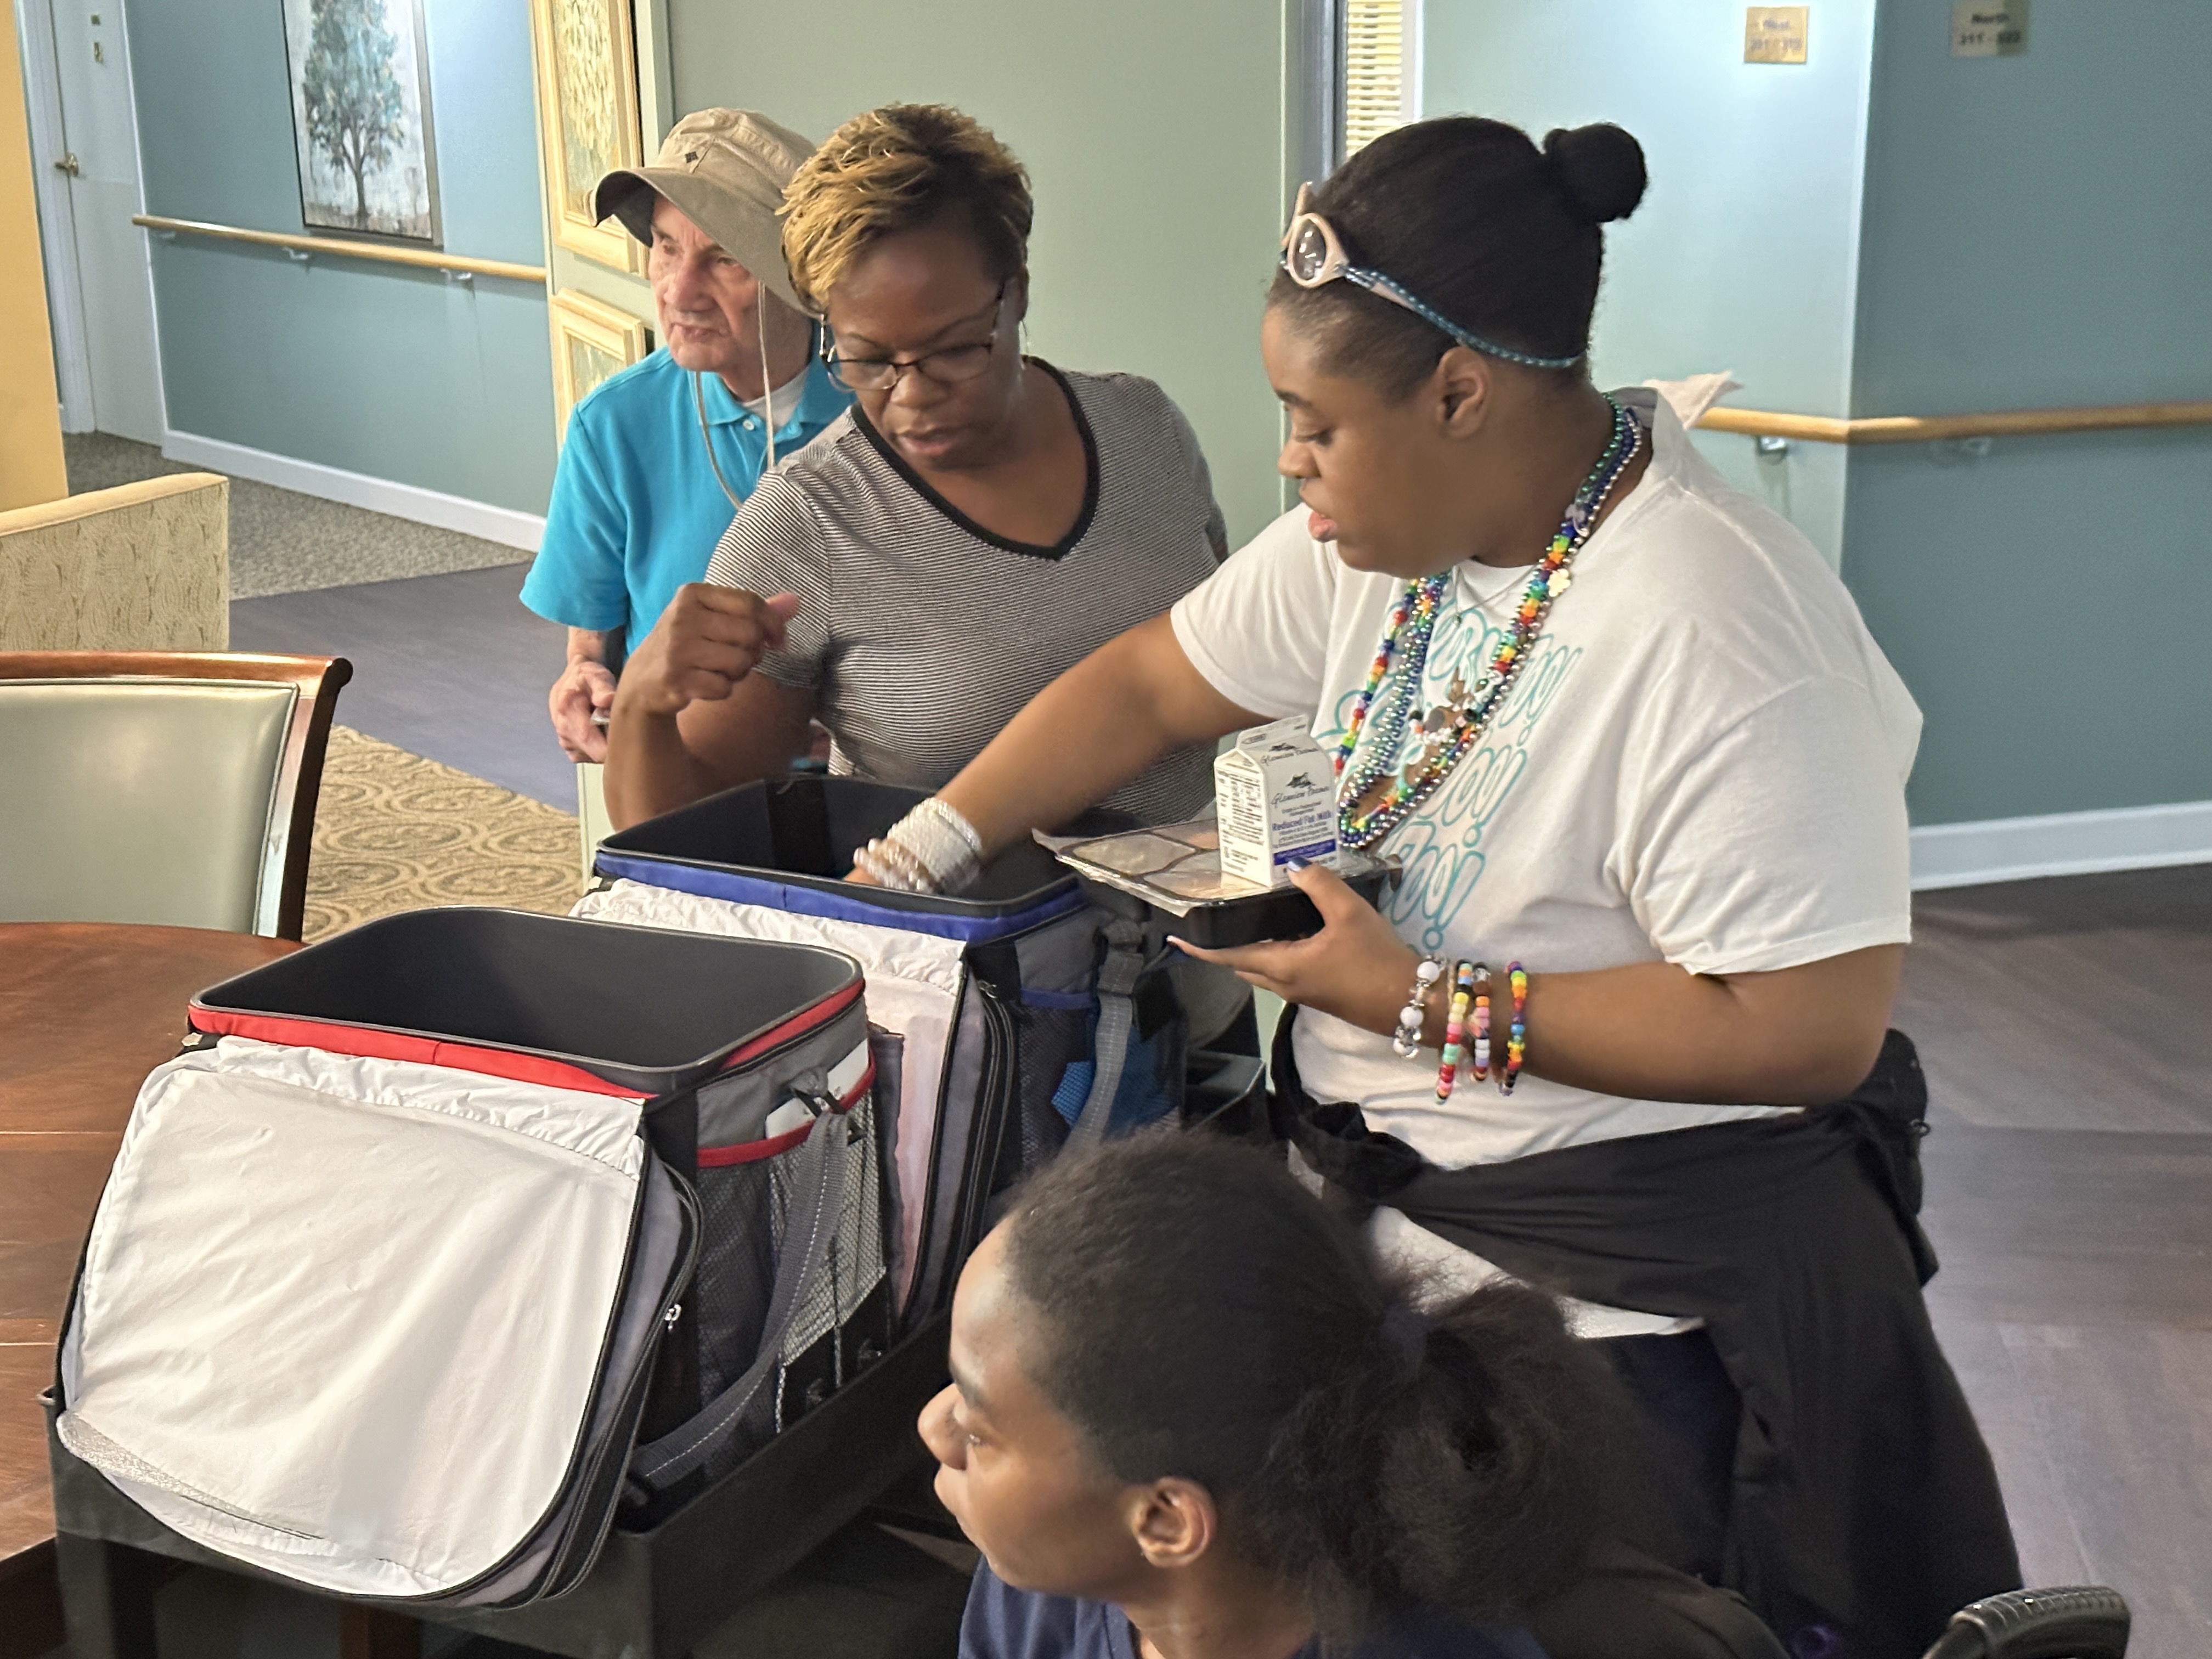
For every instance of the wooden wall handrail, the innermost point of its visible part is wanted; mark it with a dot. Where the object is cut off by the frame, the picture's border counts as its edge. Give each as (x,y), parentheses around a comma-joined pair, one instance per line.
(1936,428)
(338,246)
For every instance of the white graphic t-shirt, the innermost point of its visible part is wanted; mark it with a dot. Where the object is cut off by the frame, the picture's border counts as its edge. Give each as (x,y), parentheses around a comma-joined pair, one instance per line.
(1702,761)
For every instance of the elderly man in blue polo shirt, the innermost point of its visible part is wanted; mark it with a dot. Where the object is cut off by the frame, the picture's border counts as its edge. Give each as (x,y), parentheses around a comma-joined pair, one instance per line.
(658,457)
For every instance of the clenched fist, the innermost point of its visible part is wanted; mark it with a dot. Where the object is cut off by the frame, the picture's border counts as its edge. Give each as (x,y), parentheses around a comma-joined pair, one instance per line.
(706,640)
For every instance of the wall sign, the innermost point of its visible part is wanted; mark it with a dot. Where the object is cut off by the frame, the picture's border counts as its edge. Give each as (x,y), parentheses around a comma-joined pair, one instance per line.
(1981,29)
(1775,35)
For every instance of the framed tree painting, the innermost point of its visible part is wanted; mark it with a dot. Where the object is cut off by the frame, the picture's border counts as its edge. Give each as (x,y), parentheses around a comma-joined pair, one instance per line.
(591,341)
(360,118)
(587,119)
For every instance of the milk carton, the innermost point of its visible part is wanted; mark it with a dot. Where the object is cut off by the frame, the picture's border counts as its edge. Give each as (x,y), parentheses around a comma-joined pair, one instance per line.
(1274,795)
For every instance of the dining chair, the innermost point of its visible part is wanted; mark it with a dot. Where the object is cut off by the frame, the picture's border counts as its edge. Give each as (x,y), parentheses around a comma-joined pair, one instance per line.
(176,788)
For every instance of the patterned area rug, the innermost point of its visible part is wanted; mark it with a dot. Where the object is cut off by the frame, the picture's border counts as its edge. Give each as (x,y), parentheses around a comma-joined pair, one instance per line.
(395,831)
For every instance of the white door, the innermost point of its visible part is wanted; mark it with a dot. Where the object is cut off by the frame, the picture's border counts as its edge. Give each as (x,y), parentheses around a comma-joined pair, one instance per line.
(85,142)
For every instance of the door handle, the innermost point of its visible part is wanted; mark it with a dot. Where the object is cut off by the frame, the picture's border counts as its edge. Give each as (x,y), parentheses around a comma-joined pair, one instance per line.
(69,164)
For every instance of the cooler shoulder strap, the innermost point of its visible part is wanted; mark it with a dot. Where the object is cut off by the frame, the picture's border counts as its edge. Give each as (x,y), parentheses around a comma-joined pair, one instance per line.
(1118,973)
(818,1201)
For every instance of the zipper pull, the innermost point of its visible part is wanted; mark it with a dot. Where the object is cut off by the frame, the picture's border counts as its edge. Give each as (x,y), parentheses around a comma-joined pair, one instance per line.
(675,1312)
(812,1086)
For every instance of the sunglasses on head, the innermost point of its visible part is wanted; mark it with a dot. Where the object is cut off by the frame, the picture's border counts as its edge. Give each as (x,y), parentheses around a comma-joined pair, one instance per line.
(1313,256)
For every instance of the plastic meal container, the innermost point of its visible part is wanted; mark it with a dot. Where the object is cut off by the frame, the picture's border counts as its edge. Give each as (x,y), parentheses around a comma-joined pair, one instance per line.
(1175,868)
(643,1008)
(1285,913)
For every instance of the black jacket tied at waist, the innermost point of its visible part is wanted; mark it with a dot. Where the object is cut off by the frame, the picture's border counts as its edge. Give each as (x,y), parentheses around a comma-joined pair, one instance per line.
(1863,1496)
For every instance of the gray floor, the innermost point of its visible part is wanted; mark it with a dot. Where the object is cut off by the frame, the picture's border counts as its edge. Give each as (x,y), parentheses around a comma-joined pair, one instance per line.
(451,666)
(283,542)
(2064,1025)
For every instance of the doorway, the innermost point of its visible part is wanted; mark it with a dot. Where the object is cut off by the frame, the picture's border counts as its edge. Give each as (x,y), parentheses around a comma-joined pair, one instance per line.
(84,153)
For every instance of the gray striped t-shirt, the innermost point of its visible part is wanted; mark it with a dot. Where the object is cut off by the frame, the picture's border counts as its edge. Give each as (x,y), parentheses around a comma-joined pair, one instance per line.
(920,634)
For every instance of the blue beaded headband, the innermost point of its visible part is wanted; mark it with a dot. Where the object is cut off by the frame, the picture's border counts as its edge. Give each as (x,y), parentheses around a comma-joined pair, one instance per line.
(1313,256)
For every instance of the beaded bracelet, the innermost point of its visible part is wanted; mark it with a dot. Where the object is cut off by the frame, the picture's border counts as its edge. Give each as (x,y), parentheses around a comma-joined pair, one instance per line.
(1454,1030)
(1482,1022)
(1406,1041)
(1517,1041)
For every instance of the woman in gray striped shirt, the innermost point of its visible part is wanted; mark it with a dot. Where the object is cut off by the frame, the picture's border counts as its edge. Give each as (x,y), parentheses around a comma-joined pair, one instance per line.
(977,524)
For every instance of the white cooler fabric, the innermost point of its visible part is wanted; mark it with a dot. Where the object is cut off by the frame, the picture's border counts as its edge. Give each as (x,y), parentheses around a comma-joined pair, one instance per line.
(340,1318)
(914,981)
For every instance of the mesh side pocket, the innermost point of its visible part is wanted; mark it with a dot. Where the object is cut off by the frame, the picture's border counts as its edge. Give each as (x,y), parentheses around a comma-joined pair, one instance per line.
(740,1220)
(856,1255)
(1051,1068)
(812,1350)
(847,1317)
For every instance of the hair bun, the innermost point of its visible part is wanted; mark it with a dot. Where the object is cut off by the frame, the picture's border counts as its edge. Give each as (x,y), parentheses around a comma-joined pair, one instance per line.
(1600,167)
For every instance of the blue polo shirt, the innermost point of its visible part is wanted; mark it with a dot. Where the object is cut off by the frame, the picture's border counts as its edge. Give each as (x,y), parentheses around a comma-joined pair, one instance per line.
(636,511)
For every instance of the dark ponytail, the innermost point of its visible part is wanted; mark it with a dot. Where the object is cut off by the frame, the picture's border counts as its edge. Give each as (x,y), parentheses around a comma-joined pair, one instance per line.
(1501,237)
(1197,1313)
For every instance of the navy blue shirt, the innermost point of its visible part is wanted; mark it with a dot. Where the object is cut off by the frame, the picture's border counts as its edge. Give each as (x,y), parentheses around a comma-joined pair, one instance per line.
(1009,1624)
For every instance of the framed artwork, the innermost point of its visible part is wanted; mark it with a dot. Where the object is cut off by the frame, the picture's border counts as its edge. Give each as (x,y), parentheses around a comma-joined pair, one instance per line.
(360,118)
(588,120)
(591,341)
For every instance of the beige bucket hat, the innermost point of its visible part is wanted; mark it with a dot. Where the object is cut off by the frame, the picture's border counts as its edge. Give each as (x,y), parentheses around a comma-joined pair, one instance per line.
(725,170)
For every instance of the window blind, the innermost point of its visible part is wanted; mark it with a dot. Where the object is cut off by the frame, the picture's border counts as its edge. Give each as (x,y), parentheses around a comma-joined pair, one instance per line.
(1379,68)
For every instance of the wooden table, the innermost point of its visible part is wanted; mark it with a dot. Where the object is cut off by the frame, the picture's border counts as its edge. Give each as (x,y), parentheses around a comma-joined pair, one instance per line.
(87,1009)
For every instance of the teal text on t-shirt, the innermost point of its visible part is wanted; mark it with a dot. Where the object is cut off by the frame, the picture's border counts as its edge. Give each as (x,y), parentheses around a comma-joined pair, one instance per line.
(637,510)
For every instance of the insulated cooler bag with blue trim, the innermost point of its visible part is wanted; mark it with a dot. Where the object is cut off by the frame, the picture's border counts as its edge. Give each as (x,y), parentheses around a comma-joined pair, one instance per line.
(395,1266)
(1025,1013)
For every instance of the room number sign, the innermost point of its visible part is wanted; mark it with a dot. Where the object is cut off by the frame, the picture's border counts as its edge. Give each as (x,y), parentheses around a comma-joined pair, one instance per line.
(1775,35)
(1981,29)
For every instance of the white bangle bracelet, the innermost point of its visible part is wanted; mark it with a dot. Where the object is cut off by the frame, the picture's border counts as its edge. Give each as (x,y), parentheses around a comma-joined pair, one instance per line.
(941,843)
(938,811)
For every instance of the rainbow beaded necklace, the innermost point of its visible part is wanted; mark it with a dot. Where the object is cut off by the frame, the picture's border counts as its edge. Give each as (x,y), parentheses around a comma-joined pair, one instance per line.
(1406,641)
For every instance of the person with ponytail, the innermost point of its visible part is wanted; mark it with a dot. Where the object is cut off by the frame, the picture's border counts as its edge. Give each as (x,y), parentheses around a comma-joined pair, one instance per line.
(1619,1031)
(1192,1417)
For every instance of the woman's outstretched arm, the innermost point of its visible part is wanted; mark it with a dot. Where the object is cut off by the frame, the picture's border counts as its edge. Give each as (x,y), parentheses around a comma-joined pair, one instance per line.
(1089,731)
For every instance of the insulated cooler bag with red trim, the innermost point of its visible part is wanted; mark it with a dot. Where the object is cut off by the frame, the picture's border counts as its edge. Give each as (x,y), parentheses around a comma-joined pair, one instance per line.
(1023,1015)
(397,1265)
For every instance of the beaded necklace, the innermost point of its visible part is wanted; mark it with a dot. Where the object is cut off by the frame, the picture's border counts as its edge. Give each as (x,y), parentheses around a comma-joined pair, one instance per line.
(1406,639)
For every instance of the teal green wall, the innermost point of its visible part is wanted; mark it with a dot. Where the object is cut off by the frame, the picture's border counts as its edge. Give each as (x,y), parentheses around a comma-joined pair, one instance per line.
(1151,130)
(1743,253)
(2037,235)
(395,373)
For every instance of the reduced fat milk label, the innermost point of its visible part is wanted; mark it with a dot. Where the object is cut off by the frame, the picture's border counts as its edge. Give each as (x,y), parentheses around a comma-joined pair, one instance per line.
(1275,797)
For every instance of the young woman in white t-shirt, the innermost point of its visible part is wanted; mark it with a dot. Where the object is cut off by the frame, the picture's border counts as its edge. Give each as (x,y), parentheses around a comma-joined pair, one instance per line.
(1678,799)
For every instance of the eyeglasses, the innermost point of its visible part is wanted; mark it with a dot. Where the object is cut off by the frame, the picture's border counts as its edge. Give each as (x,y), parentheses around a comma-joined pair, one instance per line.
(1313,256)
(947,366)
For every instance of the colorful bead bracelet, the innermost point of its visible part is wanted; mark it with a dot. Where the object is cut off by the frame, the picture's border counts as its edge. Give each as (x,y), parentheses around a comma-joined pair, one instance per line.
(1468,1024)
(1516,1040)
(1456,1030)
